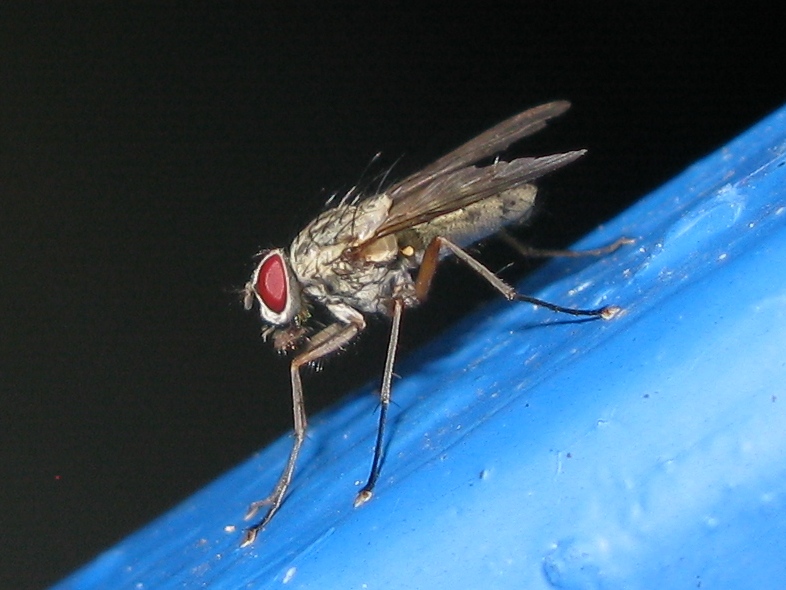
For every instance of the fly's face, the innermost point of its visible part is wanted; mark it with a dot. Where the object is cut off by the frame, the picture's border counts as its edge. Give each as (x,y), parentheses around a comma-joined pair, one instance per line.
(277,291)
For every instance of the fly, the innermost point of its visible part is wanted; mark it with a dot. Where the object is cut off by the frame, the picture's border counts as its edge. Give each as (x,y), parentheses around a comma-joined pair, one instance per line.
(378,255)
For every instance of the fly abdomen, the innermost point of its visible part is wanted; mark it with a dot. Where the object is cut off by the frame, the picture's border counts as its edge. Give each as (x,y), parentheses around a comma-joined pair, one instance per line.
(479,220)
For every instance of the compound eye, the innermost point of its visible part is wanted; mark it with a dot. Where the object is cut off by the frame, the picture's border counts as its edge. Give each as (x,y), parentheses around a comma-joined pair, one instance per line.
(272,283)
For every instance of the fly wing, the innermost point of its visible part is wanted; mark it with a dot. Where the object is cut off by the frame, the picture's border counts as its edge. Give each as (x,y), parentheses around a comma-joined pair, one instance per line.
(466,186)
(452,182)
(486,144)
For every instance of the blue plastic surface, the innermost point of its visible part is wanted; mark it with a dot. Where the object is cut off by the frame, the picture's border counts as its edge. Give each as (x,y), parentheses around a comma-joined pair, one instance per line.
(530,450)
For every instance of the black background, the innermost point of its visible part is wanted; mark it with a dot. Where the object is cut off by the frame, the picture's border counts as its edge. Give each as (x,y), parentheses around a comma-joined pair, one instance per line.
(147,154)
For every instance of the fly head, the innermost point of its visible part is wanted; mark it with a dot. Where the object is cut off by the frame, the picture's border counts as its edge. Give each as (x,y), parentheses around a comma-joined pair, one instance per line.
(276,289)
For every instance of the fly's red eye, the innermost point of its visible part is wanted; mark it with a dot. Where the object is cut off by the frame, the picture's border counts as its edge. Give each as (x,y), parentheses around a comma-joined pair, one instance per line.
(272,283)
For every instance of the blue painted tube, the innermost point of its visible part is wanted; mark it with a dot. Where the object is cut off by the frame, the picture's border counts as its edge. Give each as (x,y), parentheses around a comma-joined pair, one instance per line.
(531,450)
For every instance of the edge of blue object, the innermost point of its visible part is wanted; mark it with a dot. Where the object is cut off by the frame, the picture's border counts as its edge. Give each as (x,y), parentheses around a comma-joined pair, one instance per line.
(527,450)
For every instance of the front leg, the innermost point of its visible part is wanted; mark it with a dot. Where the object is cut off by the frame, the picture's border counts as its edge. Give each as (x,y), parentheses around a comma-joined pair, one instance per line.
(322,344)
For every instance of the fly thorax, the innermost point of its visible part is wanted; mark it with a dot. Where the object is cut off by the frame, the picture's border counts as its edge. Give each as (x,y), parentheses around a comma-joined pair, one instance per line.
(324,241)
(371,213)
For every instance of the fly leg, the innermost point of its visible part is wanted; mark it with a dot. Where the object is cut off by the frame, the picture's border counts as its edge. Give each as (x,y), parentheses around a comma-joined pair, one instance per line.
(529,252)
(365,494)
(324,343)
(429,265)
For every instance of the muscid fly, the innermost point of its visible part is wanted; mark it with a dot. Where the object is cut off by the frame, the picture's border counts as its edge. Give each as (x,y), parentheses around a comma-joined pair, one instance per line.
(378,255)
